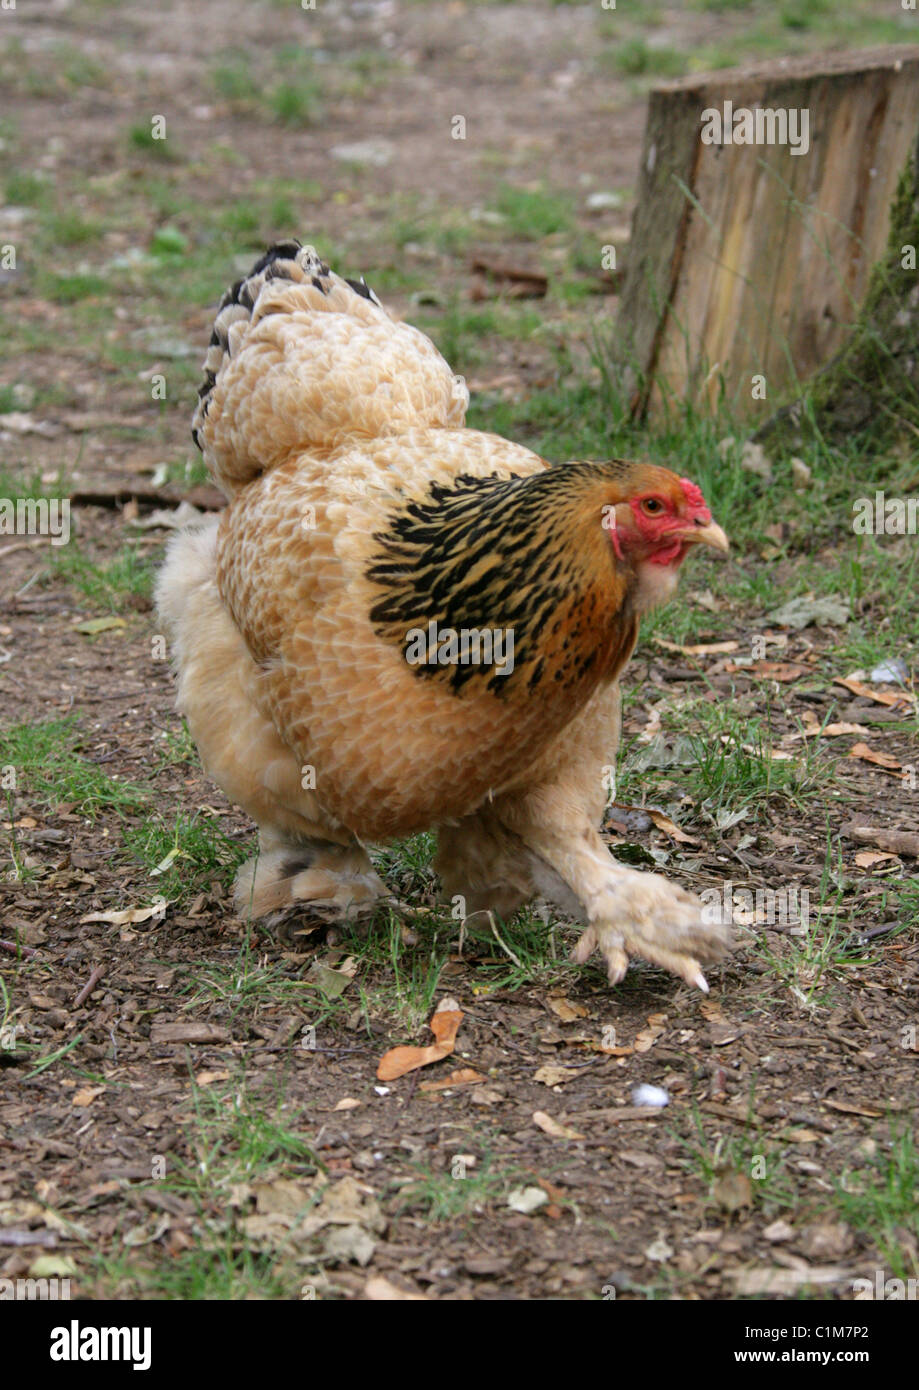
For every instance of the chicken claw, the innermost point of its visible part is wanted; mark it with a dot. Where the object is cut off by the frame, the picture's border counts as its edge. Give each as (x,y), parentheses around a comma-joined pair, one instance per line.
(645,915)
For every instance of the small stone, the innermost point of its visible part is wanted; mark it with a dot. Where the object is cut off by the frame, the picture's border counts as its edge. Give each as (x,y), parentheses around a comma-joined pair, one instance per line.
(599,202)
(800,475)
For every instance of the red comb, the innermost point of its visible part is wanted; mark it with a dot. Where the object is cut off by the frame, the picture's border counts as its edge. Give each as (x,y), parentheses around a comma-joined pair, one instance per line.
(693,493)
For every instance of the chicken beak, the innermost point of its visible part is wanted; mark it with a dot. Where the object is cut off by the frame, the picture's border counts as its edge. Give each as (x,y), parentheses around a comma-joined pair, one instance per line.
(710,534)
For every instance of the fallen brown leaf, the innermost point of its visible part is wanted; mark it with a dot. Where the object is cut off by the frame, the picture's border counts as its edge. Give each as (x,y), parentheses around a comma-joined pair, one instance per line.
(732,1190)
(554,1127)
(664,823)
(382,1290)
(867,858)
(86,1095)
(787,1281)
(130,915)
(700,648)
(444,1025)
(846,1107)
(647,1037)
(565,1009)
(466,1076)
(885,761)
(881,697)
(554,1076)
(781,671)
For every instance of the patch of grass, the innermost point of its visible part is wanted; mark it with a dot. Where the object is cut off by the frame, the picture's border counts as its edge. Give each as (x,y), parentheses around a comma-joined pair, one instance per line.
(532,214)
(406,988)
(140,136)
(31,484)
(69,228)
(821,948)
(735,768)
(457,1193)
(51,767)
(224,1269)
(109,584)
(749,1154)
(880,1199)
(461,333)
(287,87)
(295,102)
(69,289)
(190,850)
(233,80)
(22,187)
(236,1139)
(637,58)
(188,472)
(248,984)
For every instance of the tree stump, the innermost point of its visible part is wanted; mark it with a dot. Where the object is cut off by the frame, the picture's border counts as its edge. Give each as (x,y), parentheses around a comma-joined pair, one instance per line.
(766,198)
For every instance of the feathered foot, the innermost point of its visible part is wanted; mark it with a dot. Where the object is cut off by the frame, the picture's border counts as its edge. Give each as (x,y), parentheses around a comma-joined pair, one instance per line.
(645,915)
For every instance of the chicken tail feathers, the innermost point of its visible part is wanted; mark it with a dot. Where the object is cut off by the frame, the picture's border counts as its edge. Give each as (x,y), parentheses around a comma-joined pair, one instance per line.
(301,359)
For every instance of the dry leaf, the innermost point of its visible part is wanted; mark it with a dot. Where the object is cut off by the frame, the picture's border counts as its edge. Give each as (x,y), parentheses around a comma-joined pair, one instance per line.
(554,1127)
(666,824)
(781,671)
(526,1199)
(565,1009)
(607,1051)
(130,915)
(188,1032)
(867,858)
(732,1190)
(700,649)
(381,1290)
(814,729)
(444,1025)
(777,1232)
(90,626)
(86,1095)
(487,1095)
(466,1076)
(554,1076)
(846,1107)
(346,1103)
(208,1078)
(880,697)
(659,1249)
(647,1037)
(885,761)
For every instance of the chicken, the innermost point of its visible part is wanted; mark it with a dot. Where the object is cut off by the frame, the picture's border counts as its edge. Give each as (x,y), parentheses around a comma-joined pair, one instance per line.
(398,623)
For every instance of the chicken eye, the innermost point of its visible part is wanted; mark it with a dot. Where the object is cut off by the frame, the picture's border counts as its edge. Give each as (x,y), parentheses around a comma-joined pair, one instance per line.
(652,506)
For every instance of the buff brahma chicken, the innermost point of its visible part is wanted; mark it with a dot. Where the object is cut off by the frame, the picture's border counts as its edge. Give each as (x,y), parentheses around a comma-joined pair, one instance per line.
(400,624)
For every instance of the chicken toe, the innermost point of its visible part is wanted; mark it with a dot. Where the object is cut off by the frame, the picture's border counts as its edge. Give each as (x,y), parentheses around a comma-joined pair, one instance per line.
(657,920)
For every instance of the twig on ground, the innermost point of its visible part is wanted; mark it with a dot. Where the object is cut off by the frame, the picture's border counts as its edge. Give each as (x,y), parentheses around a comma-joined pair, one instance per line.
(86,991)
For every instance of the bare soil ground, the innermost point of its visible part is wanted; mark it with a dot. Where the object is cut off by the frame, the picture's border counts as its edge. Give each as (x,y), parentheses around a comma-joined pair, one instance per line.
(189,1105)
